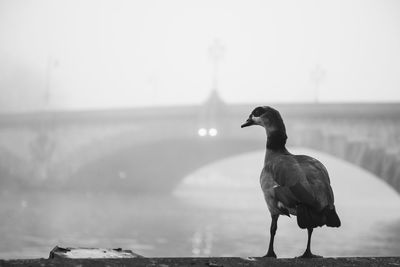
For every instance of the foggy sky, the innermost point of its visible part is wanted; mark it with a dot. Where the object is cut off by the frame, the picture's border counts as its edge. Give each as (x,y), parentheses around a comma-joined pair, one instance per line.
(75,54)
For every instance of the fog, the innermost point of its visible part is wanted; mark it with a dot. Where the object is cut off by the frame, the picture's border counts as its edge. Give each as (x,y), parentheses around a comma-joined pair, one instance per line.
(105,54)
(120,123)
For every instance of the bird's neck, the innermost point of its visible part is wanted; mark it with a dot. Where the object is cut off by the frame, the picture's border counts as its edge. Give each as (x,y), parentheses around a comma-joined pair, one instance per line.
(276,139)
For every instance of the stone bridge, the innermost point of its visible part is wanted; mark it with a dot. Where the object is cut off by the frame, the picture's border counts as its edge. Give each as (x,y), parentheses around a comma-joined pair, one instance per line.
(154,148)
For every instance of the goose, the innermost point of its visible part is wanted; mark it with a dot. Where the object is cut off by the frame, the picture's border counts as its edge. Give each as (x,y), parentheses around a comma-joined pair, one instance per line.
(292,184)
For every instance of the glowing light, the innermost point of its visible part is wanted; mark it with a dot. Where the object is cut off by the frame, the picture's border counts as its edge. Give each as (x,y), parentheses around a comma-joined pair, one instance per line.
(212,132)
(202,132)
(122,175)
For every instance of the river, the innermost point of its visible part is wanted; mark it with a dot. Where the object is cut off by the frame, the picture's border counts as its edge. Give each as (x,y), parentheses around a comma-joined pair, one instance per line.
(217,210)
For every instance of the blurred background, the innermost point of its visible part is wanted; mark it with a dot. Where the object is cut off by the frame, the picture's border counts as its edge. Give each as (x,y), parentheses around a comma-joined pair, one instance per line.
(120,123)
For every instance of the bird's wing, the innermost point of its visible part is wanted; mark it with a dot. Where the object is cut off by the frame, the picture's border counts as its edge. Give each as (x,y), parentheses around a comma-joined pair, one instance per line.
(293,186)
(313,167)
(318,178)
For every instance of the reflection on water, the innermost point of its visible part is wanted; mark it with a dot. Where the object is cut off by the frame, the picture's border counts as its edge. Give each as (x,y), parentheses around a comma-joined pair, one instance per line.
(217,211)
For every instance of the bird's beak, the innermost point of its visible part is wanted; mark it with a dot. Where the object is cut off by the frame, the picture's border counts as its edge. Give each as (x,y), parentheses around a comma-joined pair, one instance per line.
(249,122)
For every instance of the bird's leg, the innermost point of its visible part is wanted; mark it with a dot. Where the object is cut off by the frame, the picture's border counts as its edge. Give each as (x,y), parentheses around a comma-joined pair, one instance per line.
(307,253)
(274,226)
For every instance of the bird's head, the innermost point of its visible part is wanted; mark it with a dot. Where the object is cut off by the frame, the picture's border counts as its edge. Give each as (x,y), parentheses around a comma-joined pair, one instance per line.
(271,120)
(267,117)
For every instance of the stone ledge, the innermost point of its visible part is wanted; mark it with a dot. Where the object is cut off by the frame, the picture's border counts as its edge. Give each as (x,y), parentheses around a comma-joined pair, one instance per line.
(212,262)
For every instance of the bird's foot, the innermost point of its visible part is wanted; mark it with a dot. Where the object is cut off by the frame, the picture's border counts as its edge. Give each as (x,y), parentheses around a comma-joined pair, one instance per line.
(270,254)
(309,255)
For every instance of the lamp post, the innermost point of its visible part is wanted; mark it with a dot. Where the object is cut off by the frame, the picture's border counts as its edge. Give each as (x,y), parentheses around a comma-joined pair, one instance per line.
(216,52)
(317,76)
(50,66)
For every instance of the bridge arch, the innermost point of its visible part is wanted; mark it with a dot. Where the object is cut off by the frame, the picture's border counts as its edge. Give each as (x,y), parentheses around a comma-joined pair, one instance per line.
(158,164)
(366,135)
(384,163)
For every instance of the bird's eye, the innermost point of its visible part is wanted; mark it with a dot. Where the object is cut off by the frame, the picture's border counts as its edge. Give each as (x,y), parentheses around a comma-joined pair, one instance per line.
(258,112)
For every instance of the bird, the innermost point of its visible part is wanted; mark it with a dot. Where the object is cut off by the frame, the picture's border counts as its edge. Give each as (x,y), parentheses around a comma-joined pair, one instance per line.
(296,185)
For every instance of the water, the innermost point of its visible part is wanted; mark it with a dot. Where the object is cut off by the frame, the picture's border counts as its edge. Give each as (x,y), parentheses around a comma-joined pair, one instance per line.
(216,211)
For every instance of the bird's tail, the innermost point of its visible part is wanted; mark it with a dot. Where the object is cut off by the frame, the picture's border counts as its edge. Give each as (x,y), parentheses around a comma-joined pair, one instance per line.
(332,219)
(309,218)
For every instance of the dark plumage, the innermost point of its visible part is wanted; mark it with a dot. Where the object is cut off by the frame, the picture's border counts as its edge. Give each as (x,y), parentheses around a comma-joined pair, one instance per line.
(292,184)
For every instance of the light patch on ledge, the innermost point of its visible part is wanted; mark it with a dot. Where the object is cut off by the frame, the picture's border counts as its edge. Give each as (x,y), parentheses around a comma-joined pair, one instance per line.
(92,253)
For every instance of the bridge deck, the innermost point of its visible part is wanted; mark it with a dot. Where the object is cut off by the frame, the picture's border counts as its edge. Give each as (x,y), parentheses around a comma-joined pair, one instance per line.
(78,149)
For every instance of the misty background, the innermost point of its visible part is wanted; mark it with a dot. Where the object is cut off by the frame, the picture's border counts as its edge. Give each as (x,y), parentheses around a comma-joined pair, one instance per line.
(119,123)
(101,54)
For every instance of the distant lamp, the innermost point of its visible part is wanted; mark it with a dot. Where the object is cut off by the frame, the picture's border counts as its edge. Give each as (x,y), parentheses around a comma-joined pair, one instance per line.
(212,132)
(202,132)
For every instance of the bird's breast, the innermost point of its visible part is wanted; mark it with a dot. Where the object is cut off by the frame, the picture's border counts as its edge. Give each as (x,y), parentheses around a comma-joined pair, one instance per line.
(267,182)
(267,186)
